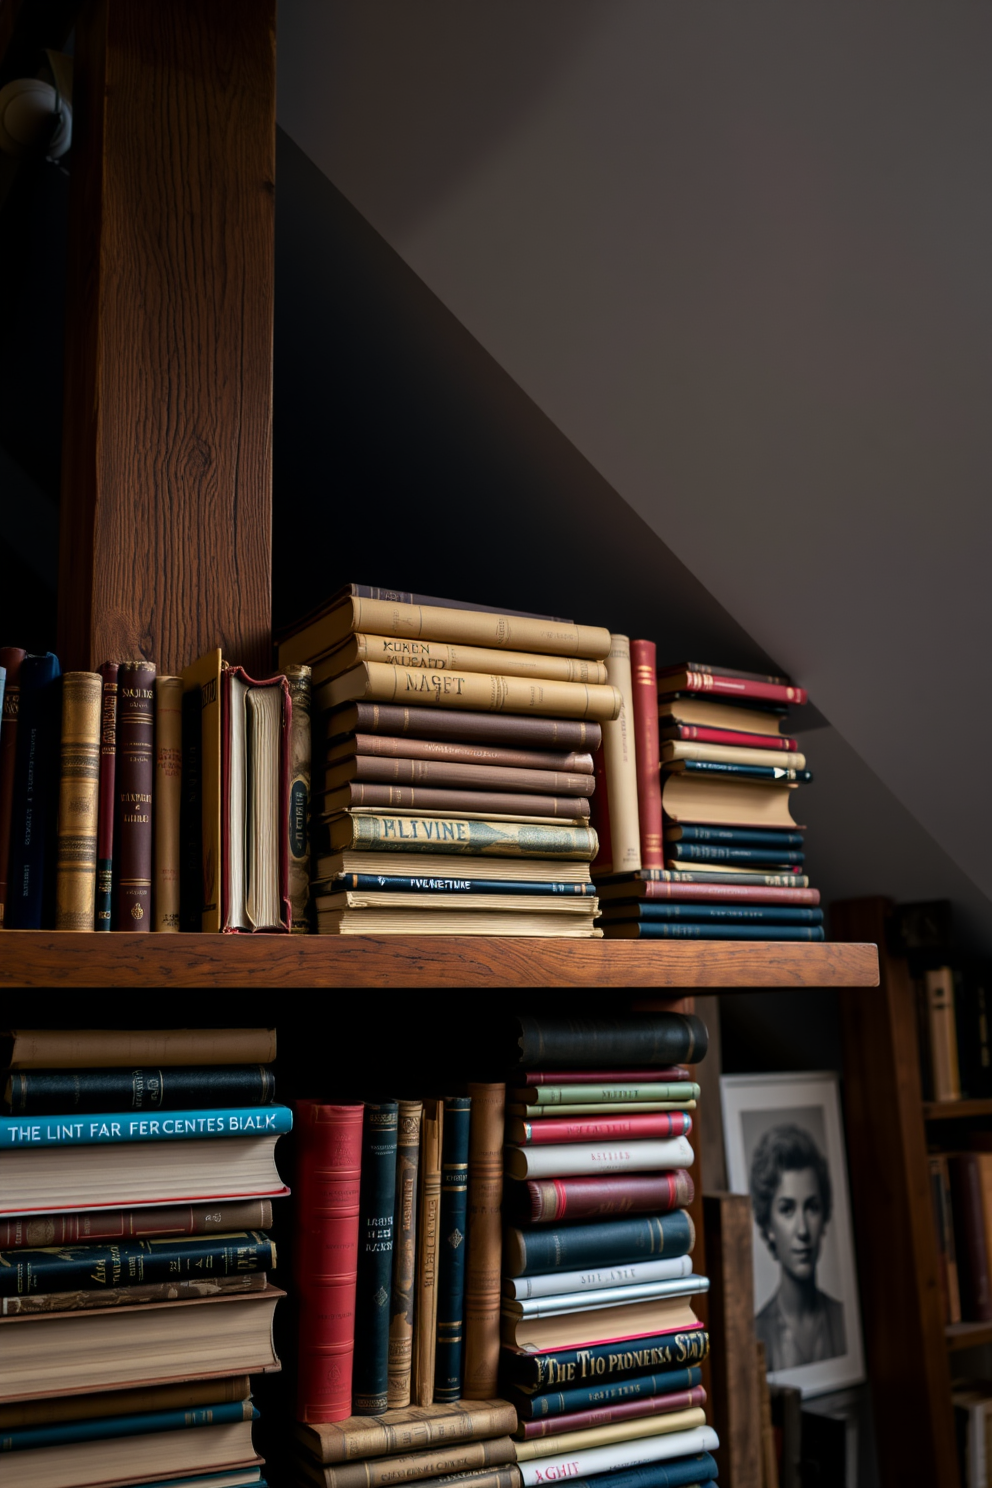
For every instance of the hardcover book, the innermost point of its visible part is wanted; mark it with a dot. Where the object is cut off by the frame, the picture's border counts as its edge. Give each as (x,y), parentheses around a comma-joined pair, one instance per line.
(134,780)
(641,1431)
(428,1217)
(606,1395)
(376,681)
(442,752)
(104,913)
(414,1429)
(596,1279)
(644,707)
(461,835)
(375,1258)
(568,1368)
(167,800)
(11,658)
(544,1201)
(33,810)
(49,1092)
(656,1038)
(79,801)
(684,679)
(299,681)
(727,802)
(454,802)
(564,1159)
(122,1224)
(559,1128)
(467,727)
(440,656)
(484,1245)
(453,1226)
(401,1307)
(126,1048)
(256,719)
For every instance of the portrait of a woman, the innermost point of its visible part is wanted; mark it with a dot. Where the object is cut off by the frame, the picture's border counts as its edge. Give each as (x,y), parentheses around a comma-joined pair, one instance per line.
(791,1199)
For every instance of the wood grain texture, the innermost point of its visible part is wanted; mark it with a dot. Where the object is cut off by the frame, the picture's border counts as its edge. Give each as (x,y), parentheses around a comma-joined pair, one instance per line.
(890,1189)
(50,959)
(736,1394)
(166,498)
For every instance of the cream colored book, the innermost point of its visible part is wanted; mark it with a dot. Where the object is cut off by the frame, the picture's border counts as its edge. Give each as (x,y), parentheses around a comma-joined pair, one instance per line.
(565,1159)
(728,803)
(332,868)
(732,754)
(439,656)
(79,800)
(620,766)
(409,812)
(585,906)
(123,1460)
(576,1329)
(376,681)
(440,922)
(616,1431)
(706,714)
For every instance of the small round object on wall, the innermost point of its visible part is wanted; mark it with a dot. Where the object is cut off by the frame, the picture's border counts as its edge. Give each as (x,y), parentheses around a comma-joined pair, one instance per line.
(35,119)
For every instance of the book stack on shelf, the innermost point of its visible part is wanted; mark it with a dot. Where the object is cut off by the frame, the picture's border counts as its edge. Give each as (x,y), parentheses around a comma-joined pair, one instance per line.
(455,748)
(693,812)
(601,1346)
(137,1172)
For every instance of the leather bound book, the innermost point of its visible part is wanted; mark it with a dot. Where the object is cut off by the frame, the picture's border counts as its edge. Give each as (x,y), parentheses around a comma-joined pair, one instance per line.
(739,738)
(607,1415)
(168,800)
(466,727)
(401,1307)
(462,1463)
(125,1048)
(483,1263)
(30,877)
(91,1225)
(600,815)
(405,597)
(971,1235)
(620,766)
(439,656)
(610,1128)
(188,1395)
(412,1429)
(532,1409)
(79,801)
(365,747)
(719,893)
(326,1264)
(298,678)
(256,729)
(414,798)
(370,1388)
(11,658)
(377,681)
(47,1092)
(644,706)
(546,1200)
(203,677)
(149,1292)
(720,687)
(134,786)
(653,1076)
(104,911)
(644,1039)
(453,1224)
(504,838)
(568,1368)
(453,776)
(428,1217)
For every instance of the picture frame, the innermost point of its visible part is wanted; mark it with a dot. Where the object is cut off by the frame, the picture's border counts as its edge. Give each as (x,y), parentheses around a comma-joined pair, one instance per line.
(785,1147)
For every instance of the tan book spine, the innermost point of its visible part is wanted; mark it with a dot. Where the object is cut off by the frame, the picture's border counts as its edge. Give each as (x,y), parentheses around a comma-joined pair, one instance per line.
(400,1357)
(604,1436)
(441,1461)
(733,754)
(412,1429)
(728,803)
(204,674)
(621,765)
(300,691)
(438,656)
(165,802)
(425,1319)
(133,1401)
(79,801)
(479,691)
(117,1048)
(130,1296)
(943,1034)
(451,775)
(483,1270)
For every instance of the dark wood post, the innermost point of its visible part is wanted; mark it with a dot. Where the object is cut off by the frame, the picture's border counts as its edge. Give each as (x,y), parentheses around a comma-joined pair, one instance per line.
(166,487)
(736,1386)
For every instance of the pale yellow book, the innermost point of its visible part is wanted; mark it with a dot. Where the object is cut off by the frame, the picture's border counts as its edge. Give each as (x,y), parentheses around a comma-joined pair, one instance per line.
(79,800)
(585,906)
(453,922)
(728,803)
(440,656)
(707,714)
(943,1034)
(376,681)
(620,766)
(603,1436)
(732,755)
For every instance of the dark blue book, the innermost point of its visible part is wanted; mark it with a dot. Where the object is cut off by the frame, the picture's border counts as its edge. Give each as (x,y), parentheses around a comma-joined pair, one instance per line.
(572,1247)
(741,772)
(382,882)
(452,1227)
(64,1433)
(591,1397)
(677,1473)
(42,1092)
(34,811)
(715,852)
(764,914)
(662,930)
(622,1359)
(736,836)
(376,1227)
(69,1268)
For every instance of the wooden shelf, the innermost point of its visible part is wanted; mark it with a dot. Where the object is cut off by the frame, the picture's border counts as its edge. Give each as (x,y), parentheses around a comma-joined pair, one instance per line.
(955,1110)
(43,958)
(967,1335)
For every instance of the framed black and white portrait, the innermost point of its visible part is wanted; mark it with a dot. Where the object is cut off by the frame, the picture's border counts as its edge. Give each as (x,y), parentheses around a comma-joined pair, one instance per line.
(785,1148)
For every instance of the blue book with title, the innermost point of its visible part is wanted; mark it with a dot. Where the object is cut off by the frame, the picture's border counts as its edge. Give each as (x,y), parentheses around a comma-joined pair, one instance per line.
(133,1126)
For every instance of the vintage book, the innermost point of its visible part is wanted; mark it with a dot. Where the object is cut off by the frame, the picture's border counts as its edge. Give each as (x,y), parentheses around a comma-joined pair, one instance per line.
(186,1395)
(86,1048)
(34,817)
(713,684)
(442,752)
(461,921)
(554,1444)
(375,681)
(461,1463)
(620,768)
(401,1306)
(590,1128)
(428,1233)
(452,1228)
(300,687)
(673,750)
(203,676)
(596,1460)
(702,893)
(167,800)
(577,1110)
(567,1158)
(132,1294)
(47,1092)
(191,816)
(604,1298)
(787,877)
(79,801)
(440,656)
(722,671)
(726,714)
(334,866)
(615,1092)
(413,1429)
(373,888)
(697,1468)
(481,803)
(653,1076)
(944,1066)
(728,802)
(63,1268)
(375,1258)
(475,777)
(505,1476)
(734,837)
(255,744)
(749,857)
(972,1005)
(122,1127)
(968,1196)
(715,872)
(666,930)
(91,1226)
(644,709)
(566,1369)
(122,1460)
(604,1395)
(435,623)
(167,1342)
(544,1201)
(11,658)
(484,1245)
(402,596)
(736,738)
(646,1038)
(774,774)
(326,1261)
(458,835)
(146,1423)
(596,1280)
(466,727)
(943,1221)
(134,784)
(104,913)
(581,906)
(736,914)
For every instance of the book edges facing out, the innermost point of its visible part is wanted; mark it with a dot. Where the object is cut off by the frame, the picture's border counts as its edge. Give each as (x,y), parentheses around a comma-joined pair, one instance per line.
(256,718)
(122,1461)
(605,1325)
(409,1429)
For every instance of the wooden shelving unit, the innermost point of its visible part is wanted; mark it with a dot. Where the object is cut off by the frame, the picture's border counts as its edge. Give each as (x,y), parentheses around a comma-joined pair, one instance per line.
(962,1110)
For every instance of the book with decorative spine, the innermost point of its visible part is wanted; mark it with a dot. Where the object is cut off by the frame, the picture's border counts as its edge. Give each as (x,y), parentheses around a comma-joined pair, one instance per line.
(79,801)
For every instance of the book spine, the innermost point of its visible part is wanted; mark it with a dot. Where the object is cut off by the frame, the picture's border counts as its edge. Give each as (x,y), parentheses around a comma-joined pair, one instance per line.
(507,1476)
(644,707)
(647,1432)
(738,914)
(428,1231)
(706,853)
(469,727)
(646,1039)
(600,813)
(66,1433)
(571,1462)
(44,1092)
(612,1303)
(589,1129)
(969,1228)
(131,1295)
(134,786)
(558,1284)
(568,808)
(605,1395)
(445,1461)
(569,1368)
(374,681)
(300,689)
(375,1258)
(735,836)
(483,1261)
(687,1472)
(11,658)
(401,1307)
(596,1076)
(89,1048)
(95,1266)
(103,916)
(327,1217)
(566,1159)
(79,802)
(720,769)
(380,883)
(440,656)
(453,1223)
(191,818)
(413,1429)
(186,1395)
(660,930)
(618,1094)
(737,893)
(167,801)
(35,774)
(943,1034)
(692,732)
(604,1108)
(122,1126)
(482,777)
(708,684)
(401,596)
(548,1200)
(453,835)
(484,756)
(620,762)
(730,754)
(118,1224)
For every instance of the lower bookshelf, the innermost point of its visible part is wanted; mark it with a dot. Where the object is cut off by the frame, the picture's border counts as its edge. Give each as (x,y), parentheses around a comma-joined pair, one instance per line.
(43,958)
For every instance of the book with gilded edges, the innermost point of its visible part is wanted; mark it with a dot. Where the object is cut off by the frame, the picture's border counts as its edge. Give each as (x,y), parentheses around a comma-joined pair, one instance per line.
(440,656)
(47,1092)
(502,730)
(370,1385)
(546,1200)
(413,1429)
(401,1306)
(605,1395)
(428,1216)
(383,833)
(560,1128)
(11,658)
(647,1038)
(644,702)
(79,801)
(30,902)
(90,1226)
(452,1229)
(134,783)
(167,800)
(104,912)
(478,802)
(367,747)
(377,681)
(568,1368)
(482,1263)
(481,777)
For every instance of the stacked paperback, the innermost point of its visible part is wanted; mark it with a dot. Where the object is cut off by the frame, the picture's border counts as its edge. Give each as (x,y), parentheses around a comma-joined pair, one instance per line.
(456,749)
(136,1172)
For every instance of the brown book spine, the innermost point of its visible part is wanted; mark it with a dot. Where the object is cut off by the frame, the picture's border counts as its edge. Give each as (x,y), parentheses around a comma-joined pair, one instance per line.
(37,1231)
(463,777)
(483,1268)
(79,801)
(444,752)
(567,808)
(425,1311)
(130,1296)
(969,1231)
(10,658)
(168,800)
(117,1048)
(108,770)
(404,1254)
(482,691)
(412,1429)
(133,787)
(468,727)
(644,710)
(300,687)
(134,1401)
(469,1457)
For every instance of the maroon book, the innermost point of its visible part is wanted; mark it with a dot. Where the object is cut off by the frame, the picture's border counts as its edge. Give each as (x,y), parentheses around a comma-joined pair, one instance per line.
(644,703)
(600,1076)
(134,776)
(714,685)
(604,1415)
(602,864)
(648,1125)
(969,1232)
(737,737)
(10,658)
(718,893)
(547,1199)
(105,826)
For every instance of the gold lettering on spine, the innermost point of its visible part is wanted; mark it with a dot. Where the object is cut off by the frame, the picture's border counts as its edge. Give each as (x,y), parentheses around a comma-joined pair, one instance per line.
(79,801)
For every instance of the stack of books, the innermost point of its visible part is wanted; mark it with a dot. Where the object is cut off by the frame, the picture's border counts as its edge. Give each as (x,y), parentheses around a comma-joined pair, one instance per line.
(467,1444)
(456,749)
(601,1347)
(136,1177)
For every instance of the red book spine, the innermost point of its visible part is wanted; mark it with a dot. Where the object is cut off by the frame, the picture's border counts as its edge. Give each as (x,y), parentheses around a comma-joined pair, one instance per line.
(734,736)
(328,1181)
(600,817)
(10,658)
(624,1410)
(105,826)
(644,700)
(600,1076)
(551,1199)
(690,893)
(135,773)
(765,692)
(612,1128)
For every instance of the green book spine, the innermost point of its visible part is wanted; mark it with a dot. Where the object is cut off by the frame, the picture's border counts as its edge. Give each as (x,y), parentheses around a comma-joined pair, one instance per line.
(370,1384)
(443,834)
(451,1267)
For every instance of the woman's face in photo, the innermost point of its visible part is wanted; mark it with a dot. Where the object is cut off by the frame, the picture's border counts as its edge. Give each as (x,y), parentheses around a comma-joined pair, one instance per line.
(795,1230)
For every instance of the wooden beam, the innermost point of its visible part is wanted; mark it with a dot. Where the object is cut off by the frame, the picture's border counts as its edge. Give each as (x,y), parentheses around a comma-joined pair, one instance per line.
(736,1397)
(166,493)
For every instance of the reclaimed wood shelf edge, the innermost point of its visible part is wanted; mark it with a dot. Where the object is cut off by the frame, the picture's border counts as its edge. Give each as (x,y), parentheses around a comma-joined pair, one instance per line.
(956,1110)
(43,958)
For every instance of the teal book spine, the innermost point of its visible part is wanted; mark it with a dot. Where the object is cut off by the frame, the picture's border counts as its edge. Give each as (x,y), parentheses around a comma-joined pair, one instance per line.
(376,1233)
(63,1434)
(735,914)
(736,836)
(453,1224)
(668,930)
(589,1397)
(683,1472)
(699,852)
(125,1126)
(746,772)
(69,1268)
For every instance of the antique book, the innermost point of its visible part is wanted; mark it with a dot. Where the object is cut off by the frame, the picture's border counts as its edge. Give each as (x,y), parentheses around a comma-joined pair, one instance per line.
(167,800)
(452,1228)
(79,801)
(133,786)
(705,914)
(203,677)
(476,777)
(577,905)
(505,1476)
(372,864)
(613,1092)
(132,1294)
(370,1383)
(560,1128)
(740,738)
(104,914)
(384,833)
(48,1092)
(595,1280)
(726,715)
(440,656)
(620,770)
(326,1261)
(30,904)
(700,893)
(401,1306)
(786,877)
(569,1368)
(644,711)
(484,1246)
(718,852)
(554,1444)
(86,1048)
(653,1076)
(727,802)
(603,1299)
(567,1158)
(376,681)
(300,686)
(191,815)
(11,658)
(772,773)
(355,890)
(119,1461)
(461,921)
(706,666)
(481,803)
(502,730)
(435,623)
(605,1395)
(943,1041)
(713,684)
(403,596)
(186,1395)
(414,1429)
(734,754)
(255,745)
(679,930)
(65,1268)
(383,748)
(734,836)
(460,1463)
(543,1201)
(121,1224)
(576,1109)
(698,1467)
(139,1424)
(117,1346)
(428,1232)
(646,1038)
